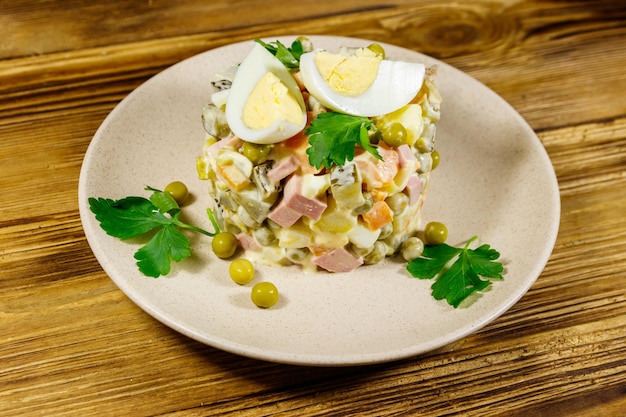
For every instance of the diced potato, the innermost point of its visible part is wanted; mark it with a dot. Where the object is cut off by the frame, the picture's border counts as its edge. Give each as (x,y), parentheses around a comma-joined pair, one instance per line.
(296,236)
(407,222)
(234,169)
(246,219)
(362,236)
(231,157)
(314,185)
(273,255)
(401,180)
(348,196)
(335,220)
(203,168)
(232,176)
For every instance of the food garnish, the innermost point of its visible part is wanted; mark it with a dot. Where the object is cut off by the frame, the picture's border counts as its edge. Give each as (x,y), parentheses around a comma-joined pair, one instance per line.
(135,216)
(461,279)
(333,137)
(289,56)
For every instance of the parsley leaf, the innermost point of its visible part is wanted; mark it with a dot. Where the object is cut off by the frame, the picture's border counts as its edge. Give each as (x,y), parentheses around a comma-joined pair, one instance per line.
(128,217)
(289,56)
(154,258)
(463,277)
(135,216)
(164,203)
(333,136)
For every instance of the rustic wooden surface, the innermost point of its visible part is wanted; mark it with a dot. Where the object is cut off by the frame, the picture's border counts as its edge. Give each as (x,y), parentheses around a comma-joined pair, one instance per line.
(71,343)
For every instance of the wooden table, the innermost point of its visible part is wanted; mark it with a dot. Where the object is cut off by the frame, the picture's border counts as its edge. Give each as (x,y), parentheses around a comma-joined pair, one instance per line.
(71,343)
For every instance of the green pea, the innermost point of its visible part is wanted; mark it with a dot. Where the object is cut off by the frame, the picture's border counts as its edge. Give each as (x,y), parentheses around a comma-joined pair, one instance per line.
(377,254)
(264,235)
(412,248)
(178,191)
(422,145)
(307,45)
(241,271)
(377,49)
(376,137)
(297,255)
(264,294)
(361,251)
(395,135)
(398,202)
(255,152)
(435,157)
(224,244)
(385,231)
(435,233)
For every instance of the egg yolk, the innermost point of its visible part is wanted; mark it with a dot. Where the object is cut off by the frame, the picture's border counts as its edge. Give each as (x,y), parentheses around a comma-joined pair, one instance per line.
(348,75)
(269,102)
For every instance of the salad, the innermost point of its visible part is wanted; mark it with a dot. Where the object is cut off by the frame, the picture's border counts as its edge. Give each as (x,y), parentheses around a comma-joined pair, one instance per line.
(314,158)
(320,158)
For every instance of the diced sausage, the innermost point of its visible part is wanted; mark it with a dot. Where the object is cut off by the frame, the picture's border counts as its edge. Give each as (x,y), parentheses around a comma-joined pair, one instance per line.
(247,242)
(282,169)
(338,260)
(413,189)
(284,215)
(406,156)
(230,141)
(294,201)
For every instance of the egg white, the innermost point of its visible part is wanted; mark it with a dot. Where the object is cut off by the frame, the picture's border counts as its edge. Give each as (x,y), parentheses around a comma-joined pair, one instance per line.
(395,85)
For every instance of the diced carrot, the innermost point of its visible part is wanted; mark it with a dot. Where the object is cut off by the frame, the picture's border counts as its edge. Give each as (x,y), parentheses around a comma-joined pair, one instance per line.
(377,173)
(297,146)
(232,176)
(378,216)
(296,142)
(318,250)
(389,166)
(378,195)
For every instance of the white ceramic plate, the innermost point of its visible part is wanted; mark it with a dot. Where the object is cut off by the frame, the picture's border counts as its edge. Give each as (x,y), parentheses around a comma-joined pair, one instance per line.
(495,181)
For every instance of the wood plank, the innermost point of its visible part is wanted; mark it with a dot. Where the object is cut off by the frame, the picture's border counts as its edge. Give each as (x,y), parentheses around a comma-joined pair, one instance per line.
(72,343)
(512,347)
(102,25)
(500,57)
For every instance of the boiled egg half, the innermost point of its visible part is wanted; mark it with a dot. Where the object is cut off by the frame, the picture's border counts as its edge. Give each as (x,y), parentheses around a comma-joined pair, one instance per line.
(362,83)
(264,104)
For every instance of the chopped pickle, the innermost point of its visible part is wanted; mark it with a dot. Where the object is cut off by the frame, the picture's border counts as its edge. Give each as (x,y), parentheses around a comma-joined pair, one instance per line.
(346,186)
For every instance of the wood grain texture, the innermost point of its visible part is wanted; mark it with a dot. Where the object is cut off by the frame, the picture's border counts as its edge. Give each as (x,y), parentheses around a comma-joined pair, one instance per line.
(73,344)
